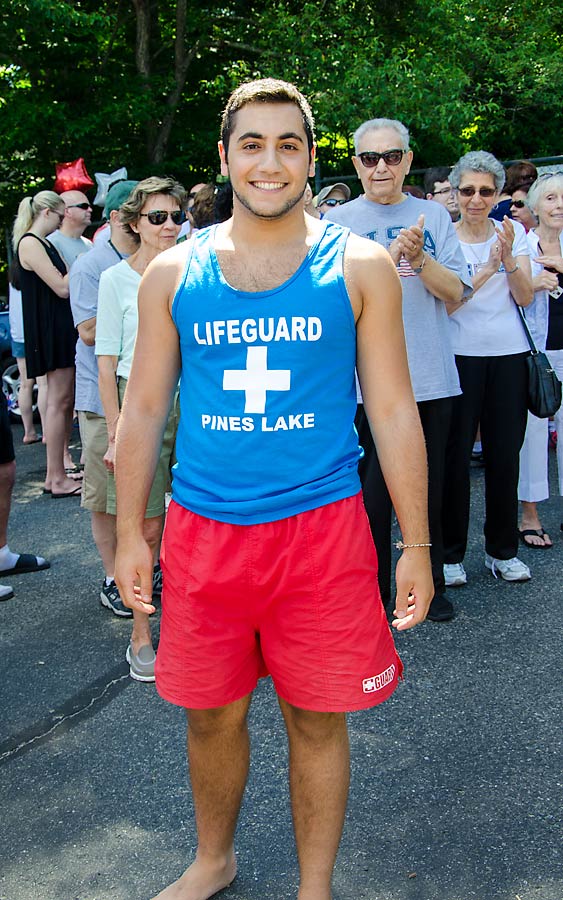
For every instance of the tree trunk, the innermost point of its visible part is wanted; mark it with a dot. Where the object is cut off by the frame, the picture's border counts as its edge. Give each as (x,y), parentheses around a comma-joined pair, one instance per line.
(182,61)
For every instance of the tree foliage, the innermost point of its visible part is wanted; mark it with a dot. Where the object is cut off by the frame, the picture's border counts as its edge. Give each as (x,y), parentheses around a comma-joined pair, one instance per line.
(141,82)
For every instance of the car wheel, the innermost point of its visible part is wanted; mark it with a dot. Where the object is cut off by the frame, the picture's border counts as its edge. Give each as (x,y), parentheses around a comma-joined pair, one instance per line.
(10,387)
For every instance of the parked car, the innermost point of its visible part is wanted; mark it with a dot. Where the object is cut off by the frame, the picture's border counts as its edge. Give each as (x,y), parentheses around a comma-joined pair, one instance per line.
(10,371)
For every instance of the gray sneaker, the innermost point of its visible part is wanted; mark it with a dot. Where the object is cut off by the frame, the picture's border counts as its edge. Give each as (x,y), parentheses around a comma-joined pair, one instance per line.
(109,596)
(141,665)
(510,569)
(454,574)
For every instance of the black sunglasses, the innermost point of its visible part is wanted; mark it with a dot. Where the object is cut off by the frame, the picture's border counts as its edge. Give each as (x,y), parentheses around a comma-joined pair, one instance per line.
(519,204)
(483,192)
(79,206)
(370,158)
(159,216)
(332,201)
(449,190)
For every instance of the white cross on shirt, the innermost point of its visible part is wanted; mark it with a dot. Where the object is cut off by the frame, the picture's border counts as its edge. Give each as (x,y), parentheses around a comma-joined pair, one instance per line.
(256,379)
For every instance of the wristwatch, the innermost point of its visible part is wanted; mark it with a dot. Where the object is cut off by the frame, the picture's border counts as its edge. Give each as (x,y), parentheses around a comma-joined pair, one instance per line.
(418,269)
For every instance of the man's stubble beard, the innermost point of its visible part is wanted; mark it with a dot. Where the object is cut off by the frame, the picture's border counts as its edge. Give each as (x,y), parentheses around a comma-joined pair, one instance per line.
(277,214)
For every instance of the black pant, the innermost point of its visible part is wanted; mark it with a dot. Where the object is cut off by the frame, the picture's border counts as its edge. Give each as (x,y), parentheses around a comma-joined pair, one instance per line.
(494,394)
(435,418)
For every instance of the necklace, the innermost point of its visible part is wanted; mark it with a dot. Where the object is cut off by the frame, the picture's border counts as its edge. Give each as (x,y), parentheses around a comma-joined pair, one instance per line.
(115,250)
(477,261)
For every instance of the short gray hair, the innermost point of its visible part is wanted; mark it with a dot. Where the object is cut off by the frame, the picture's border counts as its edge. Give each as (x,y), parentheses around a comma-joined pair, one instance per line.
(379,125)
(542,186)
(478,161)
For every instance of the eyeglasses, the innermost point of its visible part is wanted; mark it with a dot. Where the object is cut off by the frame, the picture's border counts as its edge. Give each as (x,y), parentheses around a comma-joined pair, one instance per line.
(519,204)
(449,190)
(332,201)
(79,206)
(370,158)
(483,192)
(159,216)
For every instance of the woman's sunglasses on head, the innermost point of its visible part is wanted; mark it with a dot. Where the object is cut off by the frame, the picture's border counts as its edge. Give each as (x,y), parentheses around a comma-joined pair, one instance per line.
(159,216)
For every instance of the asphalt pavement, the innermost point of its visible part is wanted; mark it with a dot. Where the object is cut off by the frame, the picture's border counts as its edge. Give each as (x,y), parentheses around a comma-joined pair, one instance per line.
(456,780)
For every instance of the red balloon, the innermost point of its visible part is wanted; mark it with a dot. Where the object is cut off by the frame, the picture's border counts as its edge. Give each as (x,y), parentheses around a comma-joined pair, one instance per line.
(72,176)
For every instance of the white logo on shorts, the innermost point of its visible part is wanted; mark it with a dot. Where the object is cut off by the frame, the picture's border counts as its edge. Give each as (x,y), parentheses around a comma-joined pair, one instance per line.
(377,682)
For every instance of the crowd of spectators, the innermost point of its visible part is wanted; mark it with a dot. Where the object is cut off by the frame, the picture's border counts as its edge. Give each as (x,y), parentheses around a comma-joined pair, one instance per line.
(471,244)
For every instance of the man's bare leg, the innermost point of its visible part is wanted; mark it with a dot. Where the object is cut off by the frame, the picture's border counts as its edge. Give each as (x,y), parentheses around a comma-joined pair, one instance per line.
(319,776)
(218,753)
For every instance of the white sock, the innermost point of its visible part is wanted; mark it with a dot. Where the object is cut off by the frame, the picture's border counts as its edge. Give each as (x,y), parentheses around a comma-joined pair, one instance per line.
(7,558)
(108,580)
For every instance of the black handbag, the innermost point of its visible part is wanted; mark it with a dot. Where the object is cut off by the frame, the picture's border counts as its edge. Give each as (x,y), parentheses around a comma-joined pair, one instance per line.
(544,387)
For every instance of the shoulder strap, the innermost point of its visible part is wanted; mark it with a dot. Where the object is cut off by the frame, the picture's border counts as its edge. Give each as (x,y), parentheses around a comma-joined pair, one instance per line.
(45,244)
(533,347)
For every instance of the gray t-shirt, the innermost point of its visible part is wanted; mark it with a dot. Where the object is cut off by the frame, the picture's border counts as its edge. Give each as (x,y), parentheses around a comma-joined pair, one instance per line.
(84,280)
(69,248)
(431,358)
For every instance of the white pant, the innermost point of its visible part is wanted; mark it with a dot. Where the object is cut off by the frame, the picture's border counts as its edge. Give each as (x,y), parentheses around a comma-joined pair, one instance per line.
(533,485)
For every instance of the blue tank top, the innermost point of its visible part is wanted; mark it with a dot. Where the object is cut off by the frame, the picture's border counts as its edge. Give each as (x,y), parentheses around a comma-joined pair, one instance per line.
(267,390)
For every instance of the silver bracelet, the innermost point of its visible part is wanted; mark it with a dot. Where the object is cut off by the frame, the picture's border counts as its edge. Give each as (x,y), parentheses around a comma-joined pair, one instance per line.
(400,546)
(512,271)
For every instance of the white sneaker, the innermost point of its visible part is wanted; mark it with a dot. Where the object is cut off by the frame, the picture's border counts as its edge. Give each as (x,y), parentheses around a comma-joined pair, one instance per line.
(454,574)
(6,592)
(510,569)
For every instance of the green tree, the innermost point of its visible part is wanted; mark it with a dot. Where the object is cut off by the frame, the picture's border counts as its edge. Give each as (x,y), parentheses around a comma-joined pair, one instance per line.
(141,83)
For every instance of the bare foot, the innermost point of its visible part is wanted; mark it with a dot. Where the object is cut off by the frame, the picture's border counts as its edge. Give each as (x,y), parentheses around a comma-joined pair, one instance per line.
(201,881)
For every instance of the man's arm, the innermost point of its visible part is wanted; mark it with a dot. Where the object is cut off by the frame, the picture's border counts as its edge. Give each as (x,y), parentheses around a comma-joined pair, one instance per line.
(438,279)
(87,331)
(84,286)
(393,416)
(154,375)
(107,386)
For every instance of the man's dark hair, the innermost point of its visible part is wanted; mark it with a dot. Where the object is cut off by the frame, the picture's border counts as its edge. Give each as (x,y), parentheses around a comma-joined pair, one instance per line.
(267,90)
(223,206)
(202,210)
(520,175)
(431,176)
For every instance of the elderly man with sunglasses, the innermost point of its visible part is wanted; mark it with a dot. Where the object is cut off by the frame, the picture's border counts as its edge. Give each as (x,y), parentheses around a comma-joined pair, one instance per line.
(421,240)
(69,239)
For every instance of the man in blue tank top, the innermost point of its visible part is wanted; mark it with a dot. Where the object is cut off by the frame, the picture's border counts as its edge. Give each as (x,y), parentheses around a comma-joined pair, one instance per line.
(269,567)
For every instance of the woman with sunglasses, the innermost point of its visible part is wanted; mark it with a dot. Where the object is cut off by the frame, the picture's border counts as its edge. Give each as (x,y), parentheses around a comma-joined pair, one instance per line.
(154,212)
(491,349)
(519,208)
(545,320)
(49,333)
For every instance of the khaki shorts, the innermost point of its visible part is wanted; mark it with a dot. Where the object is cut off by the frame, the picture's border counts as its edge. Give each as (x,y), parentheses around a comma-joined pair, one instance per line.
(162,482)
(94,436)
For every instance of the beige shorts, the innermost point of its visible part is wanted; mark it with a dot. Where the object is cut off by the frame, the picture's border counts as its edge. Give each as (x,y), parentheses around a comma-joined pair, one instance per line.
(162,481)
(94,436)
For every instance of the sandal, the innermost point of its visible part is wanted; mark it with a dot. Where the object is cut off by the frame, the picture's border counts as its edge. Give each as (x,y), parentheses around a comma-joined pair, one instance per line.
(535,532)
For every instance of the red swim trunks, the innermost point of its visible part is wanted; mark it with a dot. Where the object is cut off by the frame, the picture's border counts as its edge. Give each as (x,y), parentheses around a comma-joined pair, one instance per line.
(296,598)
